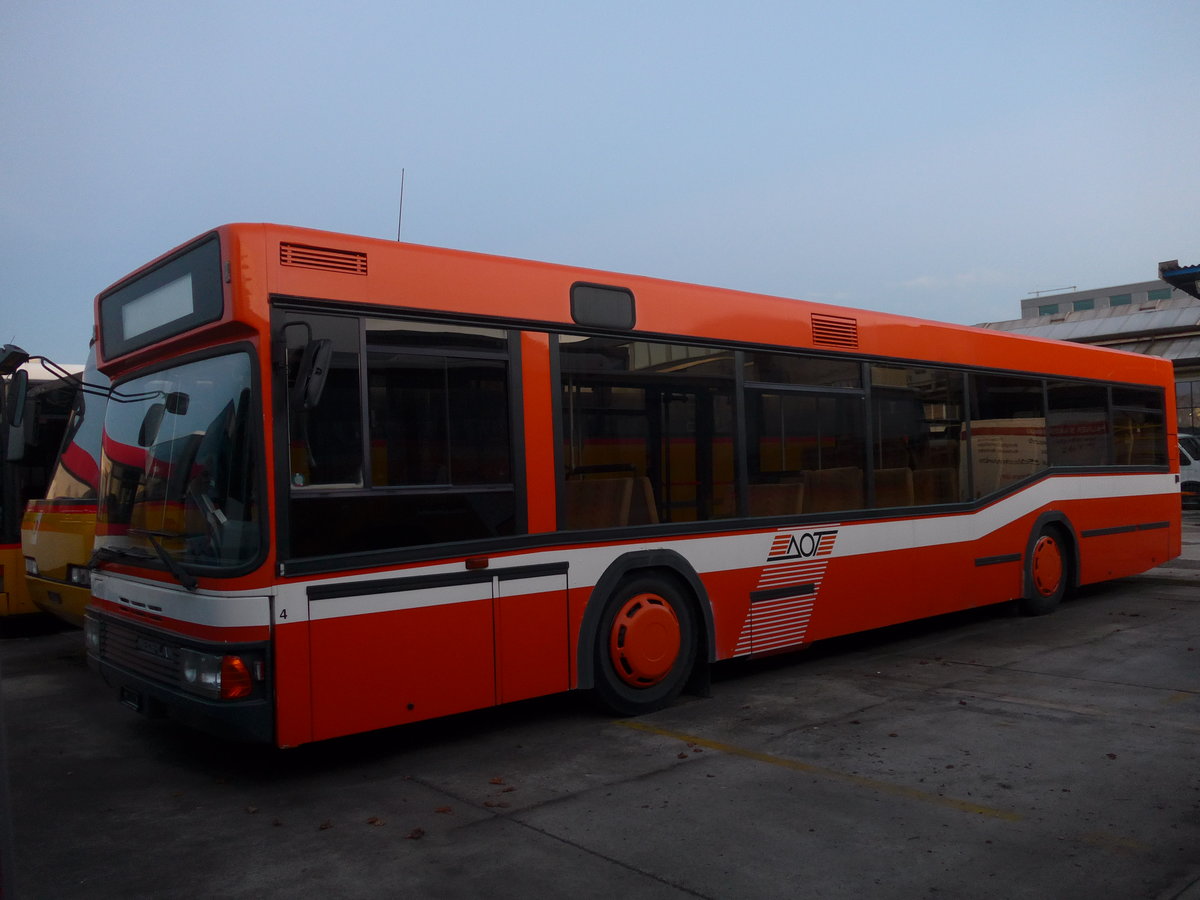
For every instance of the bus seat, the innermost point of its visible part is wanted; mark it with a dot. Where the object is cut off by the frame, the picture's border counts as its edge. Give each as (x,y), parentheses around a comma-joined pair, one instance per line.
(642,509)
(894,487)
(830,490)
(937,485)
(776,499)
(598,502)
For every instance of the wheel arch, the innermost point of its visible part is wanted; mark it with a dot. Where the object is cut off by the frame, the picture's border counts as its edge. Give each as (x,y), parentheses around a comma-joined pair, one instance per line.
(1063,522)
(664,563)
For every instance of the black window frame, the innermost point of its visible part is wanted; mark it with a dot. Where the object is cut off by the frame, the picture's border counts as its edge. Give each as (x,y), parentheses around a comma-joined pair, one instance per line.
(202,260)
(293,563)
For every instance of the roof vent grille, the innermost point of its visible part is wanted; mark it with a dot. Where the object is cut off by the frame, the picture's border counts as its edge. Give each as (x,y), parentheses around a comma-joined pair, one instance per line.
(835,331)
(348,262)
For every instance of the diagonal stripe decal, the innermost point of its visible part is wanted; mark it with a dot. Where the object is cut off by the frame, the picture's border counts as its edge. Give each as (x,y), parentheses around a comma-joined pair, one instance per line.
(778,618)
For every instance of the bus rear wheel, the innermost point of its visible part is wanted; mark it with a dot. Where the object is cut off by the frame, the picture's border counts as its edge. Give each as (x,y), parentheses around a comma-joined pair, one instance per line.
(1047,572)
(645,646)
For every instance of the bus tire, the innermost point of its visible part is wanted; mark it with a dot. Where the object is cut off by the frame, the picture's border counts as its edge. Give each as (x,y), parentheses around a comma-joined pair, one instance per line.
(646,645)
(1047,571)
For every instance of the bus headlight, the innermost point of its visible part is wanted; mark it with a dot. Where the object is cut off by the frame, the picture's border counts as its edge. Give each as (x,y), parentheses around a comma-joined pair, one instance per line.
(80,576)
(31,566)
(220,677)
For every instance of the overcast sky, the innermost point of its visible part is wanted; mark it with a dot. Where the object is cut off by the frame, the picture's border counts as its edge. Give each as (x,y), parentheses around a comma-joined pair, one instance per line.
(941,159)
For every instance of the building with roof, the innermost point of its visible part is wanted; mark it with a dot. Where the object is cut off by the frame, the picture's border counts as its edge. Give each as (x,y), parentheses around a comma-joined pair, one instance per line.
(1159,318)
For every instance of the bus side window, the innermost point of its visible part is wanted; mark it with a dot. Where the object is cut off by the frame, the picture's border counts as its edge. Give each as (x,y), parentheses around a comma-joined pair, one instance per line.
(1077,424)
(1008,430)
(805,434)
(1139,433)
(647,431)
(917,419)
(325,441)
(434,464)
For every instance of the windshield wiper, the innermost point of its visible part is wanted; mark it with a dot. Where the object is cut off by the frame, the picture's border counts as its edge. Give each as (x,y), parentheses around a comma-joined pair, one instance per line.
(184,577)
(109,554)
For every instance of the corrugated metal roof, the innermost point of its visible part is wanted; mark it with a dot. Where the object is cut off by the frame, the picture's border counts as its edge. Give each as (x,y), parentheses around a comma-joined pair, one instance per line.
(1110,322)
(1183,349)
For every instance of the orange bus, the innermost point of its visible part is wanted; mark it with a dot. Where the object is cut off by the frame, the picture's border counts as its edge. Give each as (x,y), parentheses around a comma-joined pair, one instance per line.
(57,530)
(369,483)
(29,441)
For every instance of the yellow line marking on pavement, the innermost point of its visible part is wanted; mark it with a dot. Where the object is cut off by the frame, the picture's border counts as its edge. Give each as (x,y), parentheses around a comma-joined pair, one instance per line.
(884,787)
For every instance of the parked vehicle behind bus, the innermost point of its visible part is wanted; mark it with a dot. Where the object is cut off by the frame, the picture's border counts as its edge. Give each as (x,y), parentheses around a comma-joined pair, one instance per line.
(58,530)
(1189,469)
(27,456)
(369,483)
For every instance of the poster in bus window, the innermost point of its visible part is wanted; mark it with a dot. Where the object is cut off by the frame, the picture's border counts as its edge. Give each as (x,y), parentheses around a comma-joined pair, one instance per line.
(1078,438)
(1005,451)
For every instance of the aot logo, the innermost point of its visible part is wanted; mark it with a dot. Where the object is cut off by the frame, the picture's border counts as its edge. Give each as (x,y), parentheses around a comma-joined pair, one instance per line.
(802,545)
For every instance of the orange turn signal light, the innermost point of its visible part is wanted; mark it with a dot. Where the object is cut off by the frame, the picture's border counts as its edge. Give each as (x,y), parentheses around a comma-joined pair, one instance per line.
(236,682)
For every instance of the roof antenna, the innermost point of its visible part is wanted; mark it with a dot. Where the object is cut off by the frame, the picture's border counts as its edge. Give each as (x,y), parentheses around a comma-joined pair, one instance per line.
(400,218)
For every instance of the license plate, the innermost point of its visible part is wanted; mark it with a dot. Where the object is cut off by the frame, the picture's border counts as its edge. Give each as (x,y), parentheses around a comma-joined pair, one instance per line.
(132,699)
(154,648)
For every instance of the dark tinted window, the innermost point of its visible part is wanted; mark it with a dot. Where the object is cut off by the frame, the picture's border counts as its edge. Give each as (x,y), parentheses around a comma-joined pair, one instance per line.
(326,446)
(434,464)
(805,441)
(1008,431)
(437,416)
(917,422)
(810,371)
(1139,433)
(647,431)
(1077,424)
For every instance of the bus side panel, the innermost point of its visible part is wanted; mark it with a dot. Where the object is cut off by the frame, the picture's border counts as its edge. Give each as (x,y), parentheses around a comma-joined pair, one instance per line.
(293,686)
(577,600)
(730,591)
(58,536)
(14,591)
(1119,555)
(532,641)
(411,662)
(859,593)
(538,417)
(1123,551)
(1119,537)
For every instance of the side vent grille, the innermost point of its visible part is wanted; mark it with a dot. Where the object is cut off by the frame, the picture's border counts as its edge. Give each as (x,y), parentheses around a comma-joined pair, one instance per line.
(835,331)
(348,262)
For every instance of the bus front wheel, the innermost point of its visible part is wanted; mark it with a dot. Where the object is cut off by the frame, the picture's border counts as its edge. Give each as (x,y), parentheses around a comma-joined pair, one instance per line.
(1047,572)
(645,646)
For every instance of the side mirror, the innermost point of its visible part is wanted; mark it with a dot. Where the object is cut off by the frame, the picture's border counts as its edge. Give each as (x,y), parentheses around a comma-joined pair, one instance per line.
(14,416)
(151,423)
(14,398)
(311,375)
(12,358)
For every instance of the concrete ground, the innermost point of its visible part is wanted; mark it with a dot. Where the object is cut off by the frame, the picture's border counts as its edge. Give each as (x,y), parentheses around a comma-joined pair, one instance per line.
(977,755)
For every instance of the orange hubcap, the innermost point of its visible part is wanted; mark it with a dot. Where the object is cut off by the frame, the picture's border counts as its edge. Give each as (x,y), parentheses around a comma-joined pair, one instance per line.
(645,639)
(1047,565)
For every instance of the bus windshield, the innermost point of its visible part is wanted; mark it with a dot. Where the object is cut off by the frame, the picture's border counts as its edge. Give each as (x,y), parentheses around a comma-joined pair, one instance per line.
(177,478)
